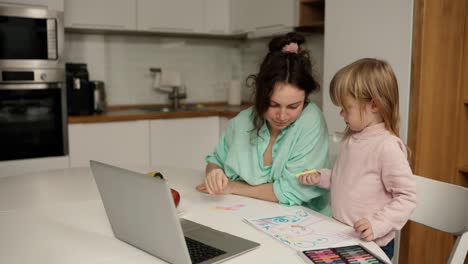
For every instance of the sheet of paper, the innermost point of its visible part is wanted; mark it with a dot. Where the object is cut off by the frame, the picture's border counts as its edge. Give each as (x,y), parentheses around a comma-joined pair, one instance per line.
(299,230)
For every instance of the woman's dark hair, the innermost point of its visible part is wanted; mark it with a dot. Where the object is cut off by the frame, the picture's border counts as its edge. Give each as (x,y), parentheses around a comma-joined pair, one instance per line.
(284,67)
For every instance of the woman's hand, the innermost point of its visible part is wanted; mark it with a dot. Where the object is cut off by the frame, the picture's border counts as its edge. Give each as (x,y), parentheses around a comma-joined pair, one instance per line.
(310,179)
(364,229)
(216,182)
(228,190)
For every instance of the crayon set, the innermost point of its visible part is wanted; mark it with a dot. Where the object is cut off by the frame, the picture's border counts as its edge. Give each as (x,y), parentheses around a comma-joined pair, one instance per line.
(355,254)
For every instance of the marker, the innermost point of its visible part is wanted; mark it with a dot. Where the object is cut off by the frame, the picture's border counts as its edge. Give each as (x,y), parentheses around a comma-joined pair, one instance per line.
(305,172)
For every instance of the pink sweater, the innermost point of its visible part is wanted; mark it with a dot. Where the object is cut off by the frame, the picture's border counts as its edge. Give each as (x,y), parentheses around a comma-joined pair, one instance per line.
(372,179)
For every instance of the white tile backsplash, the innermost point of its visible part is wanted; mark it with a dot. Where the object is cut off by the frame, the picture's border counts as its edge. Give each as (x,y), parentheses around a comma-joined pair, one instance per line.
(206,64)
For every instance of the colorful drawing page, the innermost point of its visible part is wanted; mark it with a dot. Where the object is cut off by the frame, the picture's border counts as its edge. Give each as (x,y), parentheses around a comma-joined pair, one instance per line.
(299,230)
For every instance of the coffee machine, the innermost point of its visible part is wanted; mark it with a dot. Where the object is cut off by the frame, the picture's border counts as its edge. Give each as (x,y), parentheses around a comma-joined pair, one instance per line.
(80,93)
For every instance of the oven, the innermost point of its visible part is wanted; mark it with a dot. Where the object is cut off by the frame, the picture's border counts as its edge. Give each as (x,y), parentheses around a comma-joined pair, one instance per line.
(33,116)
(31,38)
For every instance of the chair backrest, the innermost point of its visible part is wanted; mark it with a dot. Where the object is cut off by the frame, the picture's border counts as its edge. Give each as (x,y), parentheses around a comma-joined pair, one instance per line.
(443,206)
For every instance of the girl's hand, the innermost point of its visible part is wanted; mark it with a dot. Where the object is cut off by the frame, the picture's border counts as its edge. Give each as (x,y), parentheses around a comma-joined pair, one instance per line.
(216,182)
(310,178)
(364,228)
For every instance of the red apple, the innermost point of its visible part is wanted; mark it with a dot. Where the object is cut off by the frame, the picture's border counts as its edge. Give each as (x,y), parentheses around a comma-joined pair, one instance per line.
(176,196)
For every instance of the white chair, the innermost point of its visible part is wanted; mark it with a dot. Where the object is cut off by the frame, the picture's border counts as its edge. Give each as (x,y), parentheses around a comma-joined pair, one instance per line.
(444,207)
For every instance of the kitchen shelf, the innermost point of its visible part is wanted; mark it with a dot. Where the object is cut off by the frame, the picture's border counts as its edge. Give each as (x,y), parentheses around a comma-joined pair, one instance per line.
(311,14)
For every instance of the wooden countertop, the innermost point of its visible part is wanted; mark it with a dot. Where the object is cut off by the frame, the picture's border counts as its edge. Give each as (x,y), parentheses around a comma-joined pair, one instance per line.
(142,112)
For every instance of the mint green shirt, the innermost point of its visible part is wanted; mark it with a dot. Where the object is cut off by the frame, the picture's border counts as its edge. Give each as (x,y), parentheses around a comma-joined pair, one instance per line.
(301,145)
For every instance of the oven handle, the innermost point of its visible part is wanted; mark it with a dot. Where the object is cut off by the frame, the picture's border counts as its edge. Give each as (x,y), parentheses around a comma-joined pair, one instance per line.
(29,86)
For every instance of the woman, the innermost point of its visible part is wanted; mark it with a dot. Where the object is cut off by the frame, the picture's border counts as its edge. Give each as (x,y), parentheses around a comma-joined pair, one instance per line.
(281,135)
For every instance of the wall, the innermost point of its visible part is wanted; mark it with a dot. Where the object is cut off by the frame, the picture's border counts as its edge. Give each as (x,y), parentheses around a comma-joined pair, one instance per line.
(368,28)
(206,64)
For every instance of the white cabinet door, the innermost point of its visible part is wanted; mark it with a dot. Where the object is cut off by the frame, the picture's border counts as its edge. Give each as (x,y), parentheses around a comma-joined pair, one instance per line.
(101,14)
(241,16)
(263,17)
(123,144)
(49,4)
(216,16)
(275,14)
(223,123)
(183,142)
(17,167)
(170,15)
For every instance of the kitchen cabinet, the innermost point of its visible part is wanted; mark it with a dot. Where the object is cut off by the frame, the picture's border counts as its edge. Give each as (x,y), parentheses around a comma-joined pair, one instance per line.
(216,17)
(273,16)
(123,144)
(223,123)
(262,15)
(101,14)
(183,16)
(268,17)
(56,5)
(18,167)
(241,16)
(183,142)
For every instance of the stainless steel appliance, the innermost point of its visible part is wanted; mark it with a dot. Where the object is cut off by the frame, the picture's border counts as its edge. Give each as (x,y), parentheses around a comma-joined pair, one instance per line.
(100,102)
(31,38)
(32,115)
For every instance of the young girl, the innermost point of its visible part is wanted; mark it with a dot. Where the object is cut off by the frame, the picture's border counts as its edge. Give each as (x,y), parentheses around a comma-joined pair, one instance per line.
(371,183)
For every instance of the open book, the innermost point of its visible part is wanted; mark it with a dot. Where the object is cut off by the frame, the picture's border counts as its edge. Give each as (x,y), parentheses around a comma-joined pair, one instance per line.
(300,230)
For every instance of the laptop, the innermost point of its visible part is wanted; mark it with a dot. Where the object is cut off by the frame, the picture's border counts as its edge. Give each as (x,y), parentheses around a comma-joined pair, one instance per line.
(142,213)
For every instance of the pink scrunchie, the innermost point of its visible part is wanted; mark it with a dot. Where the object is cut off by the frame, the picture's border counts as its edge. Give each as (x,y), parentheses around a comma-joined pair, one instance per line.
(290,48)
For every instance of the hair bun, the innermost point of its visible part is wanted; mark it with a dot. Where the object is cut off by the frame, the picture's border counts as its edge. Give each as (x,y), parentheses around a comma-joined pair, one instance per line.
(277,43)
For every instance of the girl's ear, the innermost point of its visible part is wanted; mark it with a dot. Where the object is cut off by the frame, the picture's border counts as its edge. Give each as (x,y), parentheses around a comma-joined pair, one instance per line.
(374,107)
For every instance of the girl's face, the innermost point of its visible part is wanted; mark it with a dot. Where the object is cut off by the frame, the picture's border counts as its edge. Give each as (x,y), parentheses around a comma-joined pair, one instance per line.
(286,104)
(358,116)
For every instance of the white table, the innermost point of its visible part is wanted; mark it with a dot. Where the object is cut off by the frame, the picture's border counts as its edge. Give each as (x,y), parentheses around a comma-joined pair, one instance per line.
(58,217)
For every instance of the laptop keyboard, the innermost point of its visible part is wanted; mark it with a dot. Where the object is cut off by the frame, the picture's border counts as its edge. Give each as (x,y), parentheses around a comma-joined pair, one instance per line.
(200,252)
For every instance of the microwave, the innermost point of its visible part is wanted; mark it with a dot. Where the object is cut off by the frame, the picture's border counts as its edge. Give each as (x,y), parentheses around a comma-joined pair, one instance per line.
(31,38)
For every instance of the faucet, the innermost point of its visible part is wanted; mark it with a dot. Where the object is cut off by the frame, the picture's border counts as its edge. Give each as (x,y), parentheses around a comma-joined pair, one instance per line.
(174,95)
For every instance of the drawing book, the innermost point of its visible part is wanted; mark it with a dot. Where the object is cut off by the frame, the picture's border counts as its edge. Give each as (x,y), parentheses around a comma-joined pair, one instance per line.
(300,230)
(356,254)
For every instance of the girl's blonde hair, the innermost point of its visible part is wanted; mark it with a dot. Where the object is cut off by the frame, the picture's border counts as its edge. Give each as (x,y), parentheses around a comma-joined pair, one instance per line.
(369,80)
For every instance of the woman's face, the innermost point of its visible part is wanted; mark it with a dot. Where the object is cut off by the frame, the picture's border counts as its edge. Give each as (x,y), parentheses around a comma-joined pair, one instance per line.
(286,104)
